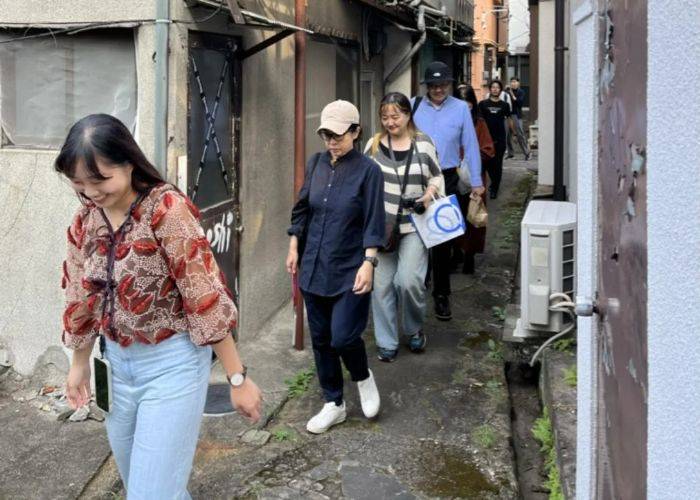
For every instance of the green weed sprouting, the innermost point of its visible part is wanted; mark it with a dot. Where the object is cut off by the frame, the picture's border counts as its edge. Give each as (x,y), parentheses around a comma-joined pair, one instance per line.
(485,436)
(299,384)
(542,431)
(570,376)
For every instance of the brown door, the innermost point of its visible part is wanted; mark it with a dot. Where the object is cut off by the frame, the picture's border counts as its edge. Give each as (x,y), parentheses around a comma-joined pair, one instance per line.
(622,345)
(213,145)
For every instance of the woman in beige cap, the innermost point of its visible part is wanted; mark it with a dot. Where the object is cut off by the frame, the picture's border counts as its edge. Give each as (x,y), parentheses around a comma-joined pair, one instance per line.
(337,227)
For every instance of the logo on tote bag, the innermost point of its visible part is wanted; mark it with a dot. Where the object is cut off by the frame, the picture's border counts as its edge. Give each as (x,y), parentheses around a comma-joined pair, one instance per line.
(442,221)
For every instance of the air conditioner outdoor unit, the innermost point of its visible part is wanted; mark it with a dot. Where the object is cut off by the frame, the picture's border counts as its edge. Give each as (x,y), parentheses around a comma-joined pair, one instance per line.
(548,266)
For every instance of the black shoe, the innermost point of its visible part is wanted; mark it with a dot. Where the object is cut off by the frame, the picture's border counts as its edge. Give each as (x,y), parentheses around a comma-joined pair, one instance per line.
(509,156)
(442,308)
(386,355)
(417,342)
(528,156)
(468,267)
(493,194)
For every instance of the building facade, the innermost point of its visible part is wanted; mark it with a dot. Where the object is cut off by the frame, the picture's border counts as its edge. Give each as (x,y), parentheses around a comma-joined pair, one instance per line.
(638,358)
(490,44)
(208,88)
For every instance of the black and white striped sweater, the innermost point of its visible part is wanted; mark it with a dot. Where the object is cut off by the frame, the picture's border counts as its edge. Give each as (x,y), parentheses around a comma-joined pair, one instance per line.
(424,171)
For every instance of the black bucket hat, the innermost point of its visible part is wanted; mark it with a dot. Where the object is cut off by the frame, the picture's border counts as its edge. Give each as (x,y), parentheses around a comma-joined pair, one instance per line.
(437,71)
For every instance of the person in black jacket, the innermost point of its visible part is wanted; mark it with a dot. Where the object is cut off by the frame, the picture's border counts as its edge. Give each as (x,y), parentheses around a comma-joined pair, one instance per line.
(517,98)
(340,216)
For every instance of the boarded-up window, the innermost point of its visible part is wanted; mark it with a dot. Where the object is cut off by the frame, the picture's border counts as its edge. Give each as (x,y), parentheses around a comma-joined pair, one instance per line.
(48,83)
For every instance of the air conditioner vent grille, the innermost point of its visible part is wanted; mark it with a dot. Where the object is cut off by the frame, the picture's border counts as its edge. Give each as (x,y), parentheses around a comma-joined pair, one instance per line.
(568,267)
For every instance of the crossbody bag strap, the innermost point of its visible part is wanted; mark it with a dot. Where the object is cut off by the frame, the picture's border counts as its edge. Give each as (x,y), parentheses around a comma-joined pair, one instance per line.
(416,103)
(420,164)
(402,186)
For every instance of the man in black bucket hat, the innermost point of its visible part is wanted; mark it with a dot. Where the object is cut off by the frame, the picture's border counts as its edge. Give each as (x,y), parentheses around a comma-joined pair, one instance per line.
(448,122)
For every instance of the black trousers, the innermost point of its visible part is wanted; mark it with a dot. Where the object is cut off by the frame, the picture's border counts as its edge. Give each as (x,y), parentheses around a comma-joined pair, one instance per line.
(494,166)
(336,325)
(442,254)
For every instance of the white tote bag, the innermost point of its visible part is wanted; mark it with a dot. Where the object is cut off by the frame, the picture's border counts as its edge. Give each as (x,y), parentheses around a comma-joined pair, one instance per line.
(441,221)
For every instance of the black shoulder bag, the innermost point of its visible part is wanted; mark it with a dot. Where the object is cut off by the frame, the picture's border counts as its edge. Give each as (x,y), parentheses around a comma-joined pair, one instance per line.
(301,245)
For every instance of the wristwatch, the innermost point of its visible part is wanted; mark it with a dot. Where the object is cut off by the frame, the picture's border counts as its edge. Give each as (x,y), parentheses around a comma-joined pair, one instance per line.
(236,380)
(372,260)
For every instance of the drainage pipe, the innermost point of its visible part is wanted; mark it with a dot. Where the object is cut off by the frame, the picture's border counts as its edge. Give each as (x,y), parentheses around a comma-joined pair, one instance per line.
(160,130)
(299,141)
(559,48)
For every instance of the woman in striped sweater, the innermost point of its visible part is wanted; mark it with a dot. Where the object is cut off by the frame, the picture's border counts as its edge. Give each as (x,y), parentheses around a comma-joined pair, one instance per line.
(399,281)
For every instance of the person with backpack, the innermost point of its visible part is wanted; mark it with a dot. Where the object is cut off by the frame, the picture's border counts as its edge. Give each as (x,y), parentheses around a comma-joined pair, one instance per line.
(337,226)
(412,178)
(448,122)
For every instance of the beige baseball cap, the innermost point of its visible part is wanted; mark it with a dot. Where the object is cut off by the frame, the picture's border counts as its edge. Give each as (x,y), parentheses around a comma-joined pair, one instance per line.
(338,116)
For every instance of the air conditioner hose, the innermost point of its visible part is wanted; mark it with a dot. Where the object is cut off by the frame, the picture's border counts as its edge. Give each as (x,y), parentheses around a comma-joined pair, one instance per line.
(564,305)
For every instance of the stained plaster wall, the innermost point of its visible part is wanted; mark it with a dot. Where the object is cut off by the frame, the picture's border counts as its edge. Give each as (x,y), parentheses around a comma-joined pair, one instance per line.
(399,43)
(673,252)
(36,205)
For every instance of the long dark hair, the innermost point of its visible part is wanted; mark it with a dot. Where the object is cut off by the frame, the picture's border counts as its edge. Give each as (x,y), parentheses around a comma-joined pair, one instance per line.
(402,103)
(470,97)
(105,137)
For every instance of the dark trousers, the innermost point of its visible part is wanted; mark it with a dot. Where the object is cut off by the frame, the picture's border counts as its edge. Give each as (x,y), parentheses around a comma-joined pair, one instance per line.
(336,325)
(442,254)
(494,167)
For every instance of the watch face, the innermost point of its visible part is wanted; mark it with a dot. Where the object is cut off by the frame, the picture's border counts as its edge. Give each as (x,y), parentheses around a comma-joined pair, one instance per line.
(237,379)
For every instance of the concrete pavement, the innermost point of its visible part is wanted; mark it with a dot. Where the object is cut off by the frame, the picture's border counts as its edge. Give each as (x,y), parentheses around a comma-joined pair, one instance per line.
(444,429)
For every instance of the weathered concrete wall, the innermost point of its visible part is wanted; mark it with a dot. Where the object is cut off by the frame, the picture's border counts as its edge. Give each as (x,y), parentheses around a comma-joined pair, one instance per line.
(519,27)
(59,11)
(37,204)
(35,209)
(585,160)
(398,44)
(673,252)
(545,94)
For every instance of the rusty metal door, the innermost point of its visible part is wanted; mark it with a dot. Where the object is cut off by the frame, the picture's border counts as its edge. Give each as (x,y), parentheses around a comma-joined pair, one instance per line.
(213,145)
(622,345)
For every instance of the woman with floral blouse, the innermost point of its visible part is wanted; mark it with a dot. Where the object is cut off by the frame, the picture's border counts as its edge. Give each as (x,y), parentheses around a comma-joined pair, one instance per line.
(140,273)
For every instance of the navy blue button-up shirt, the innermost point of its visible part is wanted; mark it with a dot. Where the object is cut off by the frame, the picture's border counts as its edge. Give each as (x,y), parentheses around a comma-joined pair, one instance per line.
(343,205)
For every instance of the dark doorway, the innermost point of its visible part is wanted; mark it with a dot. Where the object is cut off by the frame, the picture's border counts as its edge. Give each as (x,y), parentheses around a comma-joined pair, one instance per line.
(213,161)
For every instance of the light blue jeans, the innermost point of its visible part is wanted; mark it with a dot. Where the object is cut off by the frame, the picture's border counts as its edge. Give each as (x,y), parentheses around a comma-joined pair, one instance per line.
(158,398)
(399,286)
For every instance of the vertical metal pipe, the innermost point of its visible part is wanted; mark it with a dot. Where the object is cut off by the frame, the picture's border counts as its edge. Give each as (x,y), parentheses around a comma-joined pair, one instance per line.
(299,139)
(559,48)
(160,131)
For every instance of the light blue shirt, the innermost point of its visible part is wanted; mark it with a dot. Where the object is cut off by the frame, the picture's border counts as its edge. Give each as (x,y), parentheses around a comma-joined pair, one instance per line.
(450,126)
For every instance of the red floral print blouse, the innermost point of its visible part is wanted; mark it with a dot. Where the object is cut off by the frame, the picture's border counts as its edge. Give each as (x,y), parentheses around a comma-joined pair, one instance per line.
(164,278)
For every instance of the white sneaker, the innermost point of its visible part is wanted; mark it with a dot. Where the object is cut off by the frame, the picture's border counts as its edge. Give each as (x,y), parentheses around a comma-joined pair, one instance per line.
(369,396)
(330,415)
